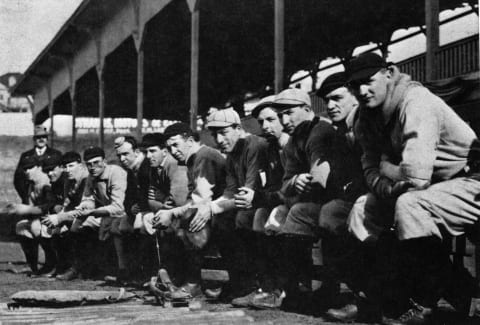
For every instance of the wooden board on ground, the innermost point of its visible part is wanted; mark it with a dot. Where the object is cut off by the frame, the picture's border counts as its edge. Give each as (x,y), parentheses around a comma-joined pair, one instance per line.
(122,313)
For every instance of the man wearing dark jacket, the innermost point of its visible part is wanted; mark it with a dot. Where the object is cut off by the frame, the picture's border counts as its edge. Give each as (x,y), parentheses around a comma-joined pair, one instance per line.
(40,152)
(324,183)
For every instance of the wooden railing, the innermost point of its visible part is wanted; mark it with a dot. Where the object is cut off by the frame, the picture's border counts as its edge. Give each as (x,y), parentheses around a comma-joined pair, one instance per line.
(453,59)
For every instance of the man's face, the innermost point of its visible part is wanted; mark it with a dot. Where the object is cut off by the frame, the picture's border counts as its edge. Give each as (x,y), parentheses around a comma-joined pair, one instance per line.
(179,147)
(96,166)
(340,102)
(292,117)
(40,141)
(155,156)
(55,174)
(372,92)
(227,137)
(270,122)
(127,155)
(73,169)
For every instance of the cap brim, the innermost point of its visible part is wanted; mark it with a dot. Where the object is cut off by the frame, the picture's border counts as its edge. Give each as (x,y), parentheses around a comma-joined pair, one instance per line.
(363,74)
(218,124)
(324,91)
(283,106)
(259,107)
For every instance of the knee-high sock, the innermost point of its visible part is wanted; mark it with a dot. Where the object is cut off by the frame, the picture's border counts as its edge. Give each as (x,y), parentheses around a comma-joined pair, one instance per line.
(120,249)
(50,255)
(293,261)
(63,248)
(194,266)
(30,249)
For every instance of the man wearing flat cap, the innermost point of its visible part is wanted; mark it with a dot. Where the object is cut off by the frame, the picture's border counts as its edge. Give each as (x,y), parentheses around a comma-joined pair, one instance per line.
(245,167)
(269,202)
(320,179)
(418,158)
(206,182)
(40,151)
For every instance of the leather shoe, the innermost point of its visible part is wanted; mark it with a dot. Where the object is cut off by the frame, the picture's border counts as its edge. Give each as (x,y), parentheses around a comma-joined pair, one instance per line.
(347,313)
(70,275)
(187,291)
(416,315)
(246,300)
(268,300)
(474,308)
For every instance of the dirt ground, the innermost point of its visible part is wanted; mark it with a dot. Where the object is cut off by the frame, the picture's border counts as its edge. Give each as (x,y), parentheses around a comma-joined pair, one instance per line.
(11,256)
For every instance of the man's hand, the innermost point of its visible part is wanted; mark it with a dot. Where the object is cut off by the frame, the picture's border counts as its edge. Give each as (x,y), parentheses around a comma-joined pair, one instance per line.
(168,204)
(135,209)
(51,221)
(162,219)
(244,198)
(204,213)
(303,183)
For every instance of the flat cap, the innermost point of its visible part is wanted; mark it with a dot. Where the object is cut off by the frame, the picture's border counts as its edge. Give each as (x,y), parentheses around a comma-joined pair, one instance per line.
(71,156)
(153,139)
(364,66)
(332,82)
(264,102)
(51,161)
(223,118)
(93,152)
(176,129)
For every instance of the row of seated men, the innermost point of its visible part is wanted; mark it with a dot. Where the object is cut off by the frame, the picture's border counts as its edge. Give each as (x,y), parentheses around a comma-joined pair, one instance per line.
(385,182)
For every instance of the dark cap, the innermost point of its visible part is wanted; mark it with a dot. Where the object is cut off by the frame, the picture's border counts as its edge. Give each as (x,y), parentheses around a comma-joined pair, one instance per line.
(71,156)
(364,66)
(263,103)
(332,82)
(176,129)
(51,161)
(153,139)
(29,162)
(93,152)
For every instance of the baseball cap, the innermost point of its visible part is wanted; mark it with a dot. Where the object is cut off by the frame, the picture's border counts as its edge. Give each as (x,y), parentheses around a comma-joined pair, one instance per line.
(176,129)
(93,152)
(40,131)
(71,156)
(153,139)
(51,161)
(223,118)
(332,82)
(29,162)
(264,102)
(364,66)
(292,97)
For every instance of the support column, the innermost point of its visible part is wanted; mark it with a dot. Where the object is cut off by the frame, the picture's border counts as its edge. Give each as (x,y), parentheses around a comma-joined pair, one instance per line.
(50,111)
(138,37)
(432,11)
(140,72)
(73,101)
(194,58)
(279,44)
(100,67)
(101,103)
